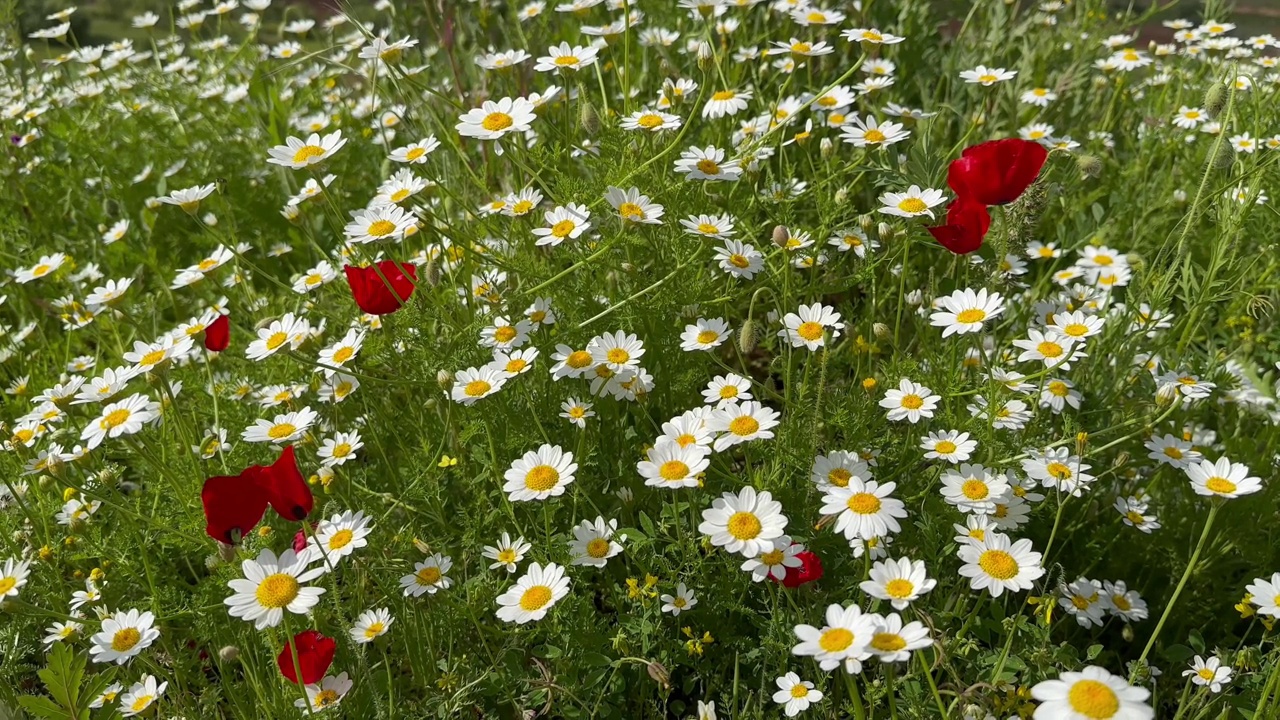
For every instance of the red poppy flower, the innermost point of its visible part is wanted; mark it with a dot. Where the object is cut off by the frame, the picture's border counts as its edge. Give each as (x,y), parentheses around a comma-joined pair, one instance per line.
(233,505)
(286,489)
(315,655)
(383,288)
(218,335)
(809,570)
(300,539)
(997,172)
(966,226)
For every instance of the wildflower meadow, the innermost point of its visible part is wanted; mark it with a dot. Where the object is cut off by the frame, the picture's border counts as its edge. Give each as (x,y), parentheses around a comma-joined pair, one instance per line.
(710,359)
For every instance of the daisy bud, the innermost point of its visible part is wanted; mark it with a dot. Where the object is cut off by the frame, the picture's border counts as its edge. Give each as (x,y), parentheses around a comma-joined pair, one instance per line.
(1180,196)
(1121,460)
(884,232)
(881,331)
(826,148)
(1127,633)
(659,673)
(628,267)
(841,196)
(705,55)
(1248,658)
(1166,395)
(781,235)
(749,336)
(1089,165)
(230,653)
(869,384)
(867,224)
(444,378)
(589,118)
(1215,99)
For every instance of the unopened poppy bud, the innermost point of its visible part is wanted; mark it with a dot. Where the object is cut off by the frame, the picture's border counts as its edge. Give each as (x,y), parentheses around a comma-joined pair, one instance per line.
(1223,156)
(781,235)
(659,673)
(230,653)
(748,336)
(1215,99)
(589,118)
(880,330)
(1089,165)
(444,379)
(826,148)
(433,272)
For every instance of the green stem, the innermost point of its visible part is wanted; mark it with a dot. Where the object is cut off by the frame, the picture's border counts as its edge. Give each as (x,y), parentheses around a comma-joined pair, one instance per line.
(1186,574)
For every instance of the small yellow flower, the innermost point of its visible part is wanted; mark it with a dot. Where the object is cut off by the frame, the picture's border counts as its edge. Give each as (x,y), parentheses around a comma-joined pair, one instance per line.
(693,647)
(46,553)
(707,639)
(869,384)
(446,461)
(264,531)
(1245,606)
(68,494)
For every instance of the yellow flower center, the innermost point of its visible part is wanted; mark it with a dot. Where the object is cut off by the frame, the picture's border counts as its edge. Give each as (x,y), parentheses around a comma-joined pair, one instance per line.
(839,477)
(141,702)
(429,575)
(399,195)
(686,440)
(1059,388)
(875,136)
(987,79)
(578,359)
(1093,699)
(493,122)
(577,412)
(535,598)
(1058,470)
(381,228)
(507,556)
(415,153)
(799,690)
(541,478)
(810,330)
(277,591)
(912,402)
(343,354)
(1220,485)
(281,430)
(863,503)
(944,447)
(565,60)
(998,564)
(618,355)
(1173,452)
(630,211)
(1121,602)
(708,167)
(709,336)
(306,152)
(888,642)
(975,489)
(649,121)
(899,588)
(598,548)
(276,340)
(7,584)
(152,358)
(562,229)
(912,205)
(724,95)
(744,525)
(739,261)
(801,48)
(773,557)
(341,539)
(504,333)
(744,425)
(1049,349)
(672,470)
(515,366)
(41,270)
(125,639)
(325,698)
(476,388)
(835,640)
(114,419)
(972,315)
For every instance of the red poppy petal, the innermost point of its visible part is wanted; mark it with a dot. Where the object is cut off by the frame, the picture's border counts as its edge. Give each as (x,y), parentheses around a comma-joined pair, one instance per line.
(285,487)
(218,335)
(315,655)
(233,503)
